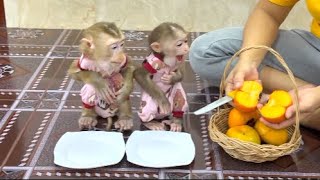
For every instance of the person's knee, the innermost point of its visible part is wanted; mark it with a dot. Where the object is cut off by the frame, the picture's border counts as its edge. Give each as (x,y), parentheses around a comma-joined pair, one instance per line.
(215,44)
(209,52)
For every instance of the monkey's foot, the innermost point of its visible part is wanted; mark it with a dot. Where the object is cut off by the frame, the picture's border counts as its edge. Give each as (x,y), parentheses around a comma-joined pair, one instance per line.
(123,124)
(87,122)
(155,125)
(175,124)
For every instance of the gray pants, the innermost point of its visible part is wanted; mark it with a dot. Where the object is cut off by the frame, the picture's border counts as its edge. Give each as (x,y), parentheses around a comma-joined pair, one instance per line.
(301,50)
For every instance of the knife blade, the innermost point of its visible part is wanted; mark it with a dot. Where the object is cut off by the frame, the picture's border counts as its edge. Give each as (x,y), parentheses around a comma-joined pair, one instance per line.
(213,105)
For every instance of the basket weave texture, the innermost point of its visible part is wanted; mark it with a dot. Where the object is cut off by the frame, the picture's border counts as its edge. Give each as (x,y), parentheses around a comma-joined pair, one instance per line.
(247,151)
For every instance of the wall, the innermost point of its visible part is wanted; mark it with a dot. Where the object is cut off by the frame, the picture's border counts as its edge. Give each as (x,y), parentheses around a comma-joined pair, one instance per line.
(194,15)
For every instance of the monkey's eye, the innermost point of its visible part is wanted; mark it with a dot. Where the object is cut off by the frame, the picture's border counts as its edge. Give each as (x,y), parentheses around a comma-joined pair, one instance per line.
(186,41)
(179,45)
(122,44)
(114,47)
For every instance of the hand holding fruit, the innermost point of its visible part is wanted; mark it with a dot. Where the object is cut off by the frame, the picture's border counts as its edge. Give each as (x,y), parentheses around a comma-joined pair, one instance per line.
(243,71)
(309,101)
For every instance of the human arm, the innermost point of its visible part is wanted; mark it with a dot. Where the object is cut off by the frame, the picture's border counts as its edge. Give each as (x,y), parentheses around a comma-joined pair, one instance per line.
(261,29)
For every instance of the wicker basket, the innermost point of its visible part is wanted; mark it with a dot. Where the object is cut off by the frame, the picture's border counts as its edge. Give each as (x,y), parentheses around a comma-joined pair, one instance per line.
(248,151)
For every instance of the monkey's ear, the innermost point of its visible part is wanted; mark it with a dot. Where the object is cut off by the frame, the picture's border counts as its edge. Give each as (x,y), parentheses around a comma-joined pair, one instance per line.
(88,42)
(155,46)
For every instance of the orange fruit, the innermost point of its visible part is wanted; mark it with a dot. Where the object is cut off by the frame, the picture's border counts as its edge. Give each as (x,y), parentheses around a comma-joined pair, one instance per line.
(247,97)
(274,111)
(244,133)
(271,136)
(238,118)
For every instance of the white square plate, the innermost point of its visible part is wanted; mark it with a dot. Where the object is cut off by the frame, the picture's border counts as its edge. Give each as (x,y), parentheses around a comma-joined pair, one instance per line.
(89,149)
(160,149)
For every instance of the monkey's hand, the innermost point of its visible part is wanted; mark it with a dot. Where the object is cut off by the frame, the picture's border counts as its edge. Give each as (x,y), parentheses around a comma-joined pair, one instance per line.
(171,78)
(104,92)
(125,123)
(175,124)
(123,93)
(164,105)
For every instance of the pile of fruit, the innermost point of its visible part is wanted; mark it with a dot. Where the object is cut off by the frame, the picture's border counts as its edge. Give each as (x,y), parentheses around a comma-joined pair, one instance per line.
(243,121)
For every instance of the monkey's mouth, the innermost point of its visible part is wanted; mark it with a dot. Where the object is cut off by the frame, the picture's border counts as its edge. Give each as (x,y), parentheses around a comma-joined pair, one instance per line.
(179,57)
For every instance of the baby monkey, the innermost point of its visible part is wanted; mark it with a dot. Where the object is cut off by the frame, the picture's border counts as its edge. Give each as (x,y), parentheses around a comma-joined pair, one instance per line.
(165,67)
(107,74)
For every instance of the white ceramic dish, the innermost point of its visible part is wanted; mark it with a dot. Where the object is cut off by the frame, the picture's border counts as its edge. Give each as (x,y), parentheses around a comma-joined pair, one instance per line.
(160,149)
(89,149)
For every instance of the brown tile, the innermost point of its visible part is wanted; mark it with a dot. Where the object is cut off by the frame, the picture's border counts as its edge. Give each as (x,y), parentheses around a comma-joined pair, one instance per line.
(31,136)
(60,79)
(30,95)
(53,95)
(28,104)
(136,38)
(72,37)
(177,175)
(137,53)
(2,113)
(31,36)
(52,76)
(261,175)
(25,50)
(204,175)
(197,126)
(72,105)
(13,125)
(192,82)
(94,174)
(23,71)
(6,103)
(196,101)
(307,160)
(12,174)
(49,105)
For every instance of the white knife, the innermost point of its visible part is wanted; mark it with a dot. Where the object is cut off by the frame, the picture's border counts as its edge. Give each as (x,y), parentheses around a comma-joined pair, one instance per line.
(213,105)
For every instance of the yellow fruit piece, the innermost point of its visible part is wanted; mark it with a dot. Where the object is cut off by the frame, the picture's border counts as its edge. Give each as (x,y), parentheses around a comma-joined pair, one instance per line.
(281,98)
(271,136)
(244,133)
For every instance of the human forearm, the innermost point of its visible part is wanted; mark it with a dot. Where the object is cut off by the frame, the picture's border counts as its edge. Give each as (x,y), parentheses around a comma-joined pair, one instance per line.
(262,28)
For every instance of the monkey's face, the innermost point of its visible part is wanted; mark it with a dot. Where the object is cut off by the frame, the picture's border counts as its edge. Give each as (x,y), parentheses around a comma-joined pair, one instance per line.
(176,46)
(110,54)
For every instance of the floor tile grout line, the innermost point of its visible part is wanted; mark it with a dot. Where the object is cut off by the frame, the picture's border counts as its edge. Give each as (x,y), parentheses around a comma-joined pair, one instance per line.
(22,93)
(47,133)
(34,75)
(8,168)
(28,174)
(217,157)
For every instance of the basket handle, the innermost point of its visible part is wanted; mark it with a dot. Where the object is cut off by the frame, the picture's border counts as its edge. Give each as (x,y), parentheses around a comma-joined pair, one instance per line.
(283,63)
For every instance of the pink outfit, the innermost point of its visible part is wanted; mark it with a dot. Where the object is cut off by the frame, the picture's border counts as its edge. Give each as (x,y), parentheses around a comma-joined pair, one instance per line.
(88,94)
(176,95)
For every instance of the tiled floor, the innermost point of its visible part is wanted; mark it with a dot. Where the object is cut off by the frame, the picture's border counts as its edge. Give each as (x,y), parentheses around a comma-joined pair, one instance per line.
(39,103)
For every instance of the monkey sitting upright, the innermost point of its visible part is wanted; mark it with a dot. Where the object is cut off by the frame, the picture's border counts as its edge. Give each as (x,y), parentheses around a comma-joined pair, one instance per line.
(165,67)
(108,76)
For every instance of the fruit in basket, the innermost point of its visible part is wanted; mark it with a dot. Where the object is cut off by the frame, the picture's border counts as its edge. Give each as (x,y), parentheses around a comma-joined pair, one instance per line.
(271,136)
(247,97)
(244,133)
(274,111)
(238,118)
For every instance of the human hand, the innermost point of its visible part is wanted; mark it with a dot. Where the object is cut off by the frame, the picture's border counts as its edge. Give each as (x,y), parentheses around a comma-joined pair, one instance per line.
(243,71)
(308,103)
